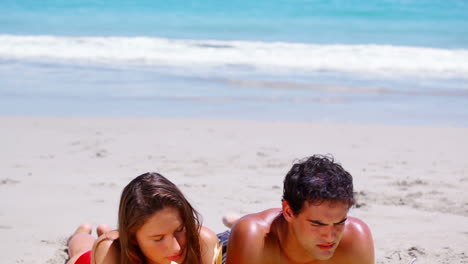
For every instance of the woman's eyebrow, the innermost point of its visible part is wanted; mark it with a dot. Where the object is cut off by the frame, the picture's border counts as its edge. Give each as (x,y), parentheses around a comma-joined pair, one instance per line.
(156,235)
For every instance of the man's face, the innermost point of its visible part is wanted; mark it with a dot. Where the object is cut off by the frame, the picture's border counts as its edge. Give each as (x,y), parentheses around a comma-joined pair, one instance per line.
(318,228)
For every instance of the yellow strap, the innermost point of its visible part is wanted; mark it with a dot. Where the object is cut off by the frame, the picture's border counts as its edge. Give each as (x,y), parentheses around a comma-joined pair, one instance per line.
(218,254)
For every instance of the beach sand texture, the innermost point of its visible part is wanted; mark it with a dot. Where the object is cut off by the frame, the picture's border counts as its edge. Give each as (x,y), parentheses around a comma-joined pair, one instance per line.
(58,172)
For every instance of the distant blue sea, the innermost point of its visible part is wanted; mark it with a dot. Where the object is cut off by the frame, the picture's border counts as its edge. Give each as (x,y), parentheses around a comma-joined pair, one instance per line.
(366,61)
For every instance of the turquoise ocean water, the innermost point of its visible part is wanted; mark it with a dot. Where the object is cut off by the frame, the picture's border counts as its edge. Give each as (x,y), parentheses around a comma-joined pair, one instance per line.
(403,62)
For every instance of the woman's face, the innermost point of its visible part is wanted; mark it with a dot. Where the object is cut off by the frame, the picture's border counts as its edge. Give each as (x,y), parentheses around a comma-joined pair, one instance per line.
(162,238)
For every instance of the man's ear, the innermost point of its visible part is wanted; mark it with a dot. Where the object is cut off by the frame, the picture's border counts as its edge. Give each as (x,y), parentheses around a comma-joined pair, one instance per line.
(287,211)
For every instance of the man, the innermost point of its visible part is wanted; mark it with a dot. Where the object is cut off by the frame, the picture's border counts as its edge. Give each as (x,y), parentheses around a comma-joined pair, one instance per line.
(311,227)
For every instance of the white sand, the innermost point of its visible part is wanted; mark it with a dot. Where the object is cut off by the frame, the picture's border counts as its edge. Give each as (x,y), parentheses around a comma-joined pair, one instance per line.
(59,172)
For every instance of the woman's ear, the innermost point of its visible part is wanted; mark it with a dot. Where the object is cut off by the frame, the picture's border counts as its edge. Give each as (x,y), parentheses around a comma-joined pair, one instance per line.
(287,211)
(133,240)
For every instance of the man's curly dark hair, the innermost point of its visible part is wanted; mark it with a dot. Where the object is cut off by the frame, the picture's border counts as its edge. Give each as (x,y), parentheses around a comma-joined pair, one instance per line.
(317,179)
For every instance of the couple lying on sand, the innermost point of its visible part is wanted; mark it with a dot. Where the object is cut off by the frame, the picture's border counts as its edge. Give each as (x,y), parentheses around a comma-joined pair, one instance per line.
(157,225)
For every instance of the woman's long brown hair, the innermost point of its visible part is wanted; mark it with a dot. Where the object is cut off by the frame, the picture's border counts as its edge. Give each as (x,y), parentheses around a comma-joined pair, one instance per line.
(141,198)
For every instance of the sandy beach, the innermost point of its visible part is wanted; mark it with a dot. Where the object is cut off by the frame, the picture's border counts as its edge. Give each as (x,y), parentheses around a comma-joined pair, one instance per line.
(58,172)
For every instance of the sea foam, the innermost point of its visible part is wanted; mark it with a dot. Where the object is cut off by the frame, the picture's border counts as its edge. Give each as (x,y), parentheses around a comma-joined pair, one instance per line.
(385,60)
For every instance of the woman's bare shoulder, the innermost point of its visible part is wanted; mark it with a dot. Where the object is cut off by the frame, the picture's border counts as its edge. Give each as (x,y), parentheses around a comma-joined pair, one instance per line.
(207,235)
(208,243)
(106,249)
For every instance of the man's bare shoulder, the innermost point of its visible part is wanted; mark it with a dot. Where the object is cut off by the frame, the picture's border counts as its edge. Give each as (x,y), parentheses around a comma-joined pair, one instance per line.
(256,229)
(257,222)
(356,245)
(357,228)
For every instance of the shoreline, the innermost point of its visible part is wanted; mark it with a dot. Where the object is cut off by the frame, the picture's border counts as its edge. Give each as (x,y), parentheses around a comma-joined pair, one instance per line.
(61,171)
(361,112)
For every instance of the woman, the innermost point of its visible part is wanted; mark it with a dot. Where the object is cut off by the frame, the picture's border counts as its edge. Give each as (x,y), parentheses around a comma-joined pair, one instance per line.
(157,225)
